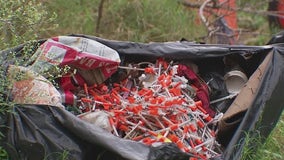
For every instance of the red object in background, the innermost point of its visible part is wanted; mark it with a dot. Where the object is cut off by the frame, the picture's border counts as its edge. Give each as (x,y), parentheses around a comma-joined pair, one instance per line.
(226,20)
(276,7)
(280,9)
(228,9)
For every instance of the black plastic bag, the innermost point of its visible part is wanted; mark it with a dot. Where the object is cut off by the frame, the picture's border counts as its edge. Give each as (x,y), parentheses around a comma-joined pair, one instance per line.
(38,132)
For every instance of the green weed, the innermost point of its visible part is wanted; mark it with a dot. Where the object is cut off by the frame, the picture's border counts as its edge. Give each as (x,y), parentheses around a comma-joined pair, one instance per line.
(20,22)
(58,155)
(273,146)
(3,154)
(270,149)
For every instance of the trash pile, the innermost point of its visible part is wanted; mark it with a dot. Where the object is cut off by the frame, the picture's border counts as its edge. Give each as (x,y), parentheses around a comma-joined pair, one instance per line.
(150,102)
(154,104)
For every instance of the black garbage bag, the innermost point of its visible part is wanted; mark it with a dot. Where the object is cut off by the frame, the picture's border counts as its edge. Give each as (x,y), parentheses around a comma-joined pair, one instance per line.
(43,131)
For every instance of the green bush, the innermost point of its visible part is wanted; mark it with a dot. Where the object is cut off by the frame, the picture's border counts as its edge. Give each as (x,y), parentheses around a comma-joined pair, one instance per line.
(23,20)
(20,21)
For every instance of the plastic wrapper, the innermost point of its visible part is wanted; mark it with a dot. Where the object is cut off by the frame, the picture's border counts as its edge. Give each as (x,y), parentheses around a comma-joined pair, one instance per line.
(90,58)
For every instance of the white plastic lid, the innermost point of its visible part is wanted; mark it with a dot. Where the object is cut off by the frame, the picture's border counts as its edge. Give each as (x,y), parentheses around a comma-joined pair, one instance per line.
(235,81)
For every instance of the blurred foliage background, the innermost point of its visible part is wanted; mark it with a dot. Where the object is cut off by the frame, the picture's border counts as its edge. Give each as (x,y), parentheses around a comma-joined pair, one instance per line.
(131,20)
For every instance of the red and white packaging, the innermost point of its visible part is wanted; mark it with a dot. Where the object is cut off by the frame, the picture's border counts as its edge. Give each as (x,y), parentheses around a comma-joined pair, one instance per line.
(94,61)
